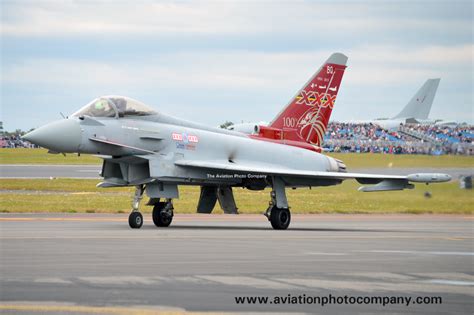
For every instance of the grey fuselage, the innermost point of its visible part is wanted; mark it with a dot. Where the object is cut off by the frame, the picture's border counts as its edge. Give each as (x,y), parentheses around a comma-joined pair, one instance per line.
(143,149)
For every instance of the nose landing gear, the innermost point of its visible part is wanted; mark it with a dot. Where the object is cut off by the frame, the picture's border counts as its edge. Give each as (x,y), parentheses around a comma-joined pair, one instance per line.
(135,219)
(162,211)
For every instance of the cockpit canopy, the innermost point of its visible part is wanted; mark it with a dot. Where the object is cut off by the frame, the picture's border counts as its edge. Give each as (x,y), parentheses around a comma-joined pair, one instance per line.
(114,106)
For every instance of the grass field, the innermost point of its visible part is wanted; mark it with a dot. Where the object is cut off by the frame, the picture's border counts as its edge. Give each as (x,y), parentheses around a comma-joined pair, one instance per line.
(352,160)
(41,156)
(76,195)
(73,195)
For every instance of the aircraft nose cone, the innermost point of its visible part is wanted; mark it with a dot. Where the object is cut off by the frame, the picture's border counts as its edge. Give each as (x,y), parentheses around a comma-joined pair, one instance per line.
(60,136)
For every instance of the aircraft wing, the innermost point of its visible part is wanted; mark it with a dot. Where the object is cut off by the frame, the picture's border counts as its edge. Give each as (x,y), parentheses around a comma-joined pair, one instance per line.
(383,182)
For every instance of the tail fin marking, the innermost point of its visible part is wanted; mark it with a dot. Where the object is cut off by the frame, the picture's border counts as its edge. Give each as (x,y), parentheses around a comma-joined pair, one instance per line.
(306,116)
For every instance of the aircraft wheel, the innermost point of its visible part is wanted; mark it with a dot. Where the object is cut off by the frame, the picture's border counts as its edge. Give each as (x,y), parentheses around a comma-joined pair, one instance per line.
(162,217)
(280,218)
(135,220)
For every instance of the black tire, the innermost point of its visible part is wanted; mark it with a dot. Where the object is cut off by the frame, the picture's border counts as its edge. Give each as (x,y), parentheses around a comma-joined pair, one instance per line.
(161,218)
(135,220)
(280,218)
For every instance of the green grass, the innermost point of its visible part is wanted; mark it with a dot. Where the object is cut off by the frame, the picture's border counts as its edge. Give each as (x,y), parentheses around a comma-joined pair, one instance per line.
(352,160)
(41,156)
(95,203)
(77,195)
(58,185)
(72,195)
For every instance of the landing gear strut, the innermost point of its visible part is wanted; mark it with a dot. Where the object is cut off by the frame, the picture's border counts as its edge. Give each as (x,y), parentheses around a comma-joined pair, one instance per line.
(135,219)
(278,212)
(163,213)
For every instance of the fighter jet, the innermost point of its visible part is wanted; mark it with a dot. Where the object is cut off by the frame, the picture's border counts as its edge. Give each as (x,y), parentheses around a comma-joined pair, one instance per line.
(157,153)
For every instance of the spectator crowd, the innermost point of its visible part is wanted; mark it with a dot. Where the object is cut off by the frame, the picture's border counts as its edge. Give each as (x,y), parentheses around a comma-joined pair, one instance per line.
(408,139)
(444,134)
(15,141)
(365,137)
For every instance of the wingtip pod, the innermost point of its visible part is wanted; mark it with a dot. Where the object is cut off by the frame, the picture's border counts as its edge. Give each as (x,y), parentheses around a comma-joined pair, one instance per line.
(429,178)
(404,183)
(388,185)
(338,59)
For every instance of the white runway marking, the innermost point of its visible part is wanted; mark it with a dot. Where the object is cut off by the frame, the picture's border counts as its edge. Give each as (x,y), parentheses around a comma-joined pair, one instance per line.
(374,286)
(248,281)
(451,282)
(52,280)
(125,280)
(454,283)
(446,275)
(326,254)
(389,276)
(414,252)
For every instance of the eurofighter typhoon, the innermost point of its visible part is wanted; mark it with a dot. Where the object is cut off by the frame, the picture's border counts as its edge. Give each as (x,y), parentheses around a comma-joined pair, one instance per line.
(156,153)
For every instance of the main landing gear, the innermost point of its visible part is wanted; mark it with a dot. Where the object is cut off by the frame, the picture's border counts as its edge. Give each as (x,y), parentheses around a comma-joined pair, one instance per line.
(162,211)
(278,212)
(279,218)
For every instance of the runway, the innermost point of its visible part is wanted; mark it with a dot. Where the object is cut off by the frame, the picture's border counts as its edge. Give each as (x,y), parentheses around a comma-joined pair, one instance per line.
(203,262)
(92,171)
(47,171)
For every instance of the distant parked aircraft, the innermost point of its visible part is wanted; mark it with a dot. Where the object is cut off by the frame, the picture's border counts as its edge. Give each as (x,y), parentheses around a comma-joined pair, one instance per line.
(416,111)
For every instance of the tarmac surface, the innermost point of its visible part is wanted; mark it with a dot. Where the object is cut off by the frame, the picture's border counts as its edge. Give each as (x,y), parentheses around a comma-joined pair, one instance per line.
(47,171)
(76,263)
(92,171)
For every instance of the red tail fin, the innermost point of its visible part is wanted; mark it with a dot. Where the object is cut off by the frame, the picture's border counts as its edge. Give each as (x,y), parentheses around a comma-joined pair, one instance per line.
(306,117)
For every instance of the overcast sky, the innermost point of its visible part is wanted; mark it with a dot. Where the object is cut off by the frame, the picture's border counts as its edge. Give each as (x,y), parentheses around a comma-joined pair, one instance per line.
(238,61)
